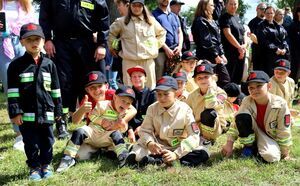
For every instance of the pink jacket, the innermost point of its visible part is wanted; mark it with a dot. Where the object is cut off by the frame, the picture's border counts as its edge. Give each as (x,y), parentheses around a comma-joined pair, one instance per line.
(14,28)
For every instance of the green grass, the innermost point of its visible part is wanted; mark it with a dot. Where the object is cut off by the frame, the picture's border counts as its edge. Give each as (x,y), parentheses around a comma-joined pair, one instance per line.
(103,171)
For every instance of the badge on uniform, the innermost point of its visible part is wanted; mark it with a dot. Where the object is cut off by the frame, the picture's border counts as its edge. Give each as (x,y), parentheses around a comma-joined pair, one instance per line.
(273,124)
(287,120)
(177,132)
(175,142)
(195,128)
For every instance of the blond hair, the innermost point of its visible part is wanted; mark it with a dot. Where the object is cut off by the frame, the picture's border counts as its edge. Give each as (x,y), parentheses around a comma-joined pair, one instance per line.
(25,4)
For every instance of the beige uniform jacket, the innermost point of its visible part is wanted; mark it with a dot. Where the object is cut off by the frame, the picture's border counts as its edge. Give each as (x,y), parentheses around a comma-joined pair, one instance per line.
(104,110)
(277,120)
(173,128)
(139,40)
(286,90)
(213,99)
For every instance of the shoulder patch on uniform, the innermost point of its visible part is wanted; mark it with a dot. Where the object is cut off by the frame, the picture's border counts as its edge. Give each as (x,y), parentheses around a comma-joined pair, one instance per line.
(195,128)
(221,97)
(287,120)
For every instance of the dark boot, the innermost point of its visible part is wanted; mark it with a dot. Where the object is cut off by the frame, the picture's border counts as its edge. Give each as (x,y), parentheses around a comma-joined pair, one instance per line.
(61,127)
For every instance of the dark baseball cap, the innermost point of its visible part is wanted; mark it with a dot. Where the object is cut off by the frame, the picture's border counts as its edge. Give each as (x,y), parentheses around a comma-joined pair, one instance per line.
(232,90)
(204,67)
(138,1)
(166,83)
(188,55)
(125,91)
(95,77)
(180,76)
(173,2)
(283,64)
(258,76)
(31,29)
(136,69)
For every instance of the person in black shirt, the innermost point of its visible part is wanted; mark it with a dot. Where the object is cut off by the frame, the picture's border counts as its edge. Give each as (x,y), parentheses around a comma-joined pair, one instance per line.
(206,34)
(294,34)
(144,97)
(253,25)
(69,27)
(271,39)
(232,35)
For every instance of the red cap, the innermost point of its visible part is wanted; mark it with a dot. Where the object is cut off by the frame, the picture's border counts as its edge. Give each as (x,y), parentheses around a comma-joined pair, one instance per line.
(136,69)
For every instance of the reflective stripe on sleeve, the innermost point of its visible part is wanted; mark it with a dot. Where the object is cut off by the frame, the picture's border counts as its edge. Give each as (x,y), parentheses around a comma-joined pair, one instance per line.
(50,116)
(28,117)
(13,93)
(55,93)
(248,140)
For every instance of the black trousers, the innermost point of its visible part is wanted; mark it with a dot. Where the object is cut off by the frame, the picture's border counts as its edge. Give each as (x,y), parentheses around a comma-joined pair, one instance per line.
(74,58)
(235,66)
(38,140)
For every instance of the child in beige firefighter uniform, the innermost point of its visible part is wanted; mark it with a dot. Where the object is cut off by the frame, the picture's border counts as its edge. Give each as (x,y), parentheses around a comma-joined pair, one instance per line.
(263,118)
(109,119)
(181,93)
(169,131)
(207,102)
(141,36)
(282,85)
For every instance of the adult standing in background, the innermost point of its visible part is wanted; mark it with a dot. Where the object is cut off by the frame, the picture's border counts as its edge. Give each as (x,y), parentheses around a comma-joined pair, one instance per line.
(294,34)
(17,13)
(271,38)
(219,7)
(171,49)
(141,37)
(68,27)
(206,34)
(175,7)
(233,39)
(253,25)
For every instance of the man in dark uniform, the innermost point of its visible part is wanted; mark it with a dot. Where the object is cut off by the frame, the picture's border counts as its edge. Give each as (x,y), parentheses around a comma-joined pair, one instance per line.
(253,25)
(69,28)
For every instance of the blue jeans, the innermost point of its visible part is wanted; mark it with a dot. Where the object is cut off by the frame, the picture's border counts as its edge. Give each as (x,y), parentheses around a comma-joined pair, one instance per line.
(112,79)
(5,61)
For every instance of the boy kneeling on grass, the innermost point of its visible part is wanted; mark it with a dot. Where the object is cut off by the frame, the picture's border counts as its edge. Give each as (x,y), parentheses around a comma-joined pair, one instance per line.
(168,132)
(262,122)
(108,120)
(34,101)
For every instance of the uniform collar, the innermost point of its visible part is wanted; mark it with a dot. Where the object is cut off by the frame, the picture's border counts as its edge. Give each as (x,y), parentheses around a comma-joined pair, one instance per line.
(138,18)
(171,111)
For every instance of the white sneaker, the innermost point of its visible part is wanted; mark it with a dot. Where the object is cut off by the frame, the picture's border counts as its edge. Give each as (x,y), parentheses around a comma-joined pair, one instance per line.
(19,145)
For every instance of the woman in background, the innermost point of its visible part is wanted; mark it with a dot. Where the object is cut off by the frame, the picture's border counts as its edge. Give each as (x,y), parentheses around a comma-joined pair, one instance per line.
(17,13)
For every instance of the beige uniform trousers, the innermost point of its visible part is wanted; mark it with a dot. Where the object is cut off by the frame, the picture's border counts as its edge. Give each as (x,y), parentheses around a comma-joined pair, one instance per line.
(148,65)
(268,148)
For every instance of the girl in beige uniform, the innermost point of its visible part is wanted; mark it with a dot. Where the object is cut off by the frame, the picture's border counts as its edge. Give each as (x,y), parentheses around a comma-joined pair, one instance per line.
(141,37)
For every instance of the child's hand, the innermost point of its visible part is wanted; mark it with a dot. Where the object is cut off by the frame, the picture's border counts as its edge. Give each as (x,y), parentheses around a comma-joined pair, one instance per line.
(136,132)
(168,156)
(17,120)
(131,136)
(106,124)
(86,106)
(155,148)
(227,149)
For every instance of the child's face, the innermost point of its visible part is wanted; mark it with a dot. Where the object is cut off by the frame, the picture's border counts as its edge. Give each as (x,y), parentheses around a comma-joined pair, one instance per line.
(136,9)
(258,90)
(122,103)
(189,65)
(204,80)
(181,84)
(97,91)
(281,75)
(166,98)
(122,8)
(138,79)
(33,44)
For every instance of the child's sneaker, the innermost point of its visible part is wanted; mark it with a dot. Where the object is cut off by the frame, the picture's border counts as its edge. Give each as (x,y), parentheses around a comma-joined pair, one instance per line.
(47,171)
(35,174)
(66,163)
(122,159)
(150,160)
(19,145)
(247,152)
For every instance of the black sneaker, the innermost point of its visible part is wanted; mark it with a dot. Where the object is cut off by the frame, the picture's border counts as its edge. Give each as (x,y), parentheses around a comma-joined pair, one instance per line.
(150,160)
(122,159)
(62,131)
(65,163)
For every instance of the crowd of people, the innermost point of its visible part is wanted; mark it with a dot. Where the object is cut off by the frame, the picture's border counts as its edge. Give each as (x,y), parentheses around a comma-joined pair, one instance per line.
(145,97)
